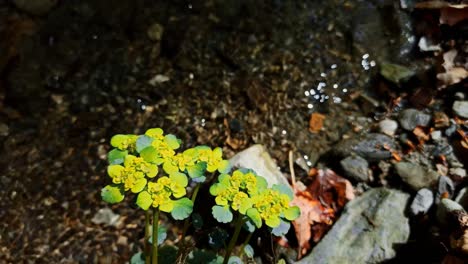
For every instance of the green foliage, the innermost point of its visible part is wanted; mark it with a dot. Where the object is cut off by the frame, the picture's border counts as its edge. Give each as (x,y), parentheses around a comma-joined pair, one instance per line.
(137,258)
(182,208)
(162,235)
(112,194)
(222,214)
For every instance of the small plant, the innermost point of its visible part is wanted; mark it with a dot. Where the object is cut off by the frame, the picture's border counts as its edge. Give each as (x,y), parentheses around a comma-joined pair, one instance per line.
(150,167)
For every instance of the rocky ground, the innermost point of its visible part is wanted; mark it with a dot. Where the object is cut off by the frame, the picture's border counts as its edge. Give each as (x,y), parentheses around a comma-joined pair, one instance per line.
(374,90)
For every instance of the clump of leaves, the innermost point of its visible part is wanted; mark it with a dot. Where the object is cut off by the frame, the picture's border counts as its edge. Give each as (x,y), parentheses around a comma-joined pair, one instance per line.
(248,195)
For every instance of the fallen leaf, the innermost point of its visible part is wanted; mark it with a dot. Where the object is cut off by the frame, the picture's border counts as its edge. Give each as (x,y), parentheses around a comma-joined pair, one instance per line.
(452,74)
(316,122)
(319,203)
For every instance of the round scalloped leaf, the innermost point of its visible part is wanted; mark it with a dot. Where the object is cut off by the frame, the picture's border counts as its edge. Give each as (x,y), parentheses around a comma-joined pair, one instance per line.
(162,235)
(197,170)
(167,206)
(292,213)
(179,178)
(198,256)
(116,156)
(222,213)
(114,170)
(249,226)
(224,166)
(282,229)
(245,205)
(254,215)
(152,170)
(139,185)
(154,132)
(262,183)
(249,251)
(170,168)
(217,238)
(235,260)
(199,179)
(112,194)
(144,200)
(143,142)
(172,141)
(118,140)
(215,189)
(182,208)
(217,260)
(273,221)
(138,258)
(284,190)
(149,154)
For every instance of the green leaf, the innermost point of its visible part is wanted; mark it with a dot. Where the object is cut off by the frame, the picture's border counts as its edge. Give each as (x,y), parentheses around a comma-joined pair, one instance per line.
(116,156)
(222,213)
(115,170)
(198,256)
(235,260)
(282,229)
(273,221)
(154,132)
(254,215)
(179,178)
(292,213)
(284,189)
(249,251)
(112,194)
(217,238)
(197,170)
(143,142)
(118,140)
(170,168)
(182,208)
(149,154)
(262,183)
(162,235)
(144,200)
(138,258)
(139,185)
(199,179)
(172,141)
(152,171)
(224,166)
(245,205)
(249,226)
(167,255)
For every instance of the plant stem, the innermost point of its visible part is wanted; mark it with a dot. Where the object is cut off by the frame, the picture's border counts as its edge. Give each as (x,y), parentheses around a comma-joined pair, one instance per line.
(147,236)
(155,236)
(187,220)
(249,236)
(232,243)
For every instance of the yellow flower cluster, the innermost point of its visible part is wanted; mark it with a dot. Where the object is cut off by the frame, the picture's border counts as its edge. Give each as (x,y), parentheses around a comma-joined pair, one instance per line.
(165,187)
(271,204)
(132,174)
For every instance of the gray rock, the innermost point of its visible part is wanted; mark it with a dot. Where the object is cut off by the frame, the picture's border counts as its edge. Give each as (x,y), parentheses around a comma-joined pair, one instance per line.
(367,231)
(460,108)
(416,176)
(411,118)
(356,168)
(436,135)
(36,7)
(370,147)
(445,186)
(460,172)
(105,216)
(445,208)
(388,127)
(462,198)
(422,202)
(258,159)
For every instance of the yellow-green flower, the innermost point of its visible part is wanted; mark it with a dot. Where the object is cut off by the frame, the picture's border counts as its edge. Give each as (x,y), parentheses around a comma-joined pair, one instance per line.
(124,142)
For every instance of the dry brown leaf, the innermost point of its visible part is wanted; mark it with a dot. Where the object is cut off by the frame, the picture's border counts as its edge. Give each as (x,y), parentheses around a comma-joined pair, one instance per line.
(319,203)
(316,122)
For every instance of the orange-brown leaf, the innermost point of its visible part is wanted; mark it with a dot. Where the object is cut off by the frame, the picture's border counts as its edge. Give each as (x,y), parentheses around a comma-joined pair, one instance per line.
(316,122)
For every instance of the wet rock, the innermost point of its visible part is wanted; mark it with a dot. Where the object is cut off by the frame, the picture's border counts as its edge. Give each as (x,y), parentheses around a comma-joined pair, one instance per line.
(367,231)
(411,118)
(36,7)
(356,168)
(370,147)
(258,159)
(396,73)
(460,108)
(436,135)
(105,216)
(451,130)
(444,210)
(445,188)
(388,127)
(422,202)
(462,198)
(416,176)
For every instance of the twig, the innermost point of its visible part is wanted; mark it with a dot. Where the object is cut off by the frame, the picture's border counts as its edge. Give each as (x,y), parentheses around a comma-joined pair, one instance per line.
(291,168)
